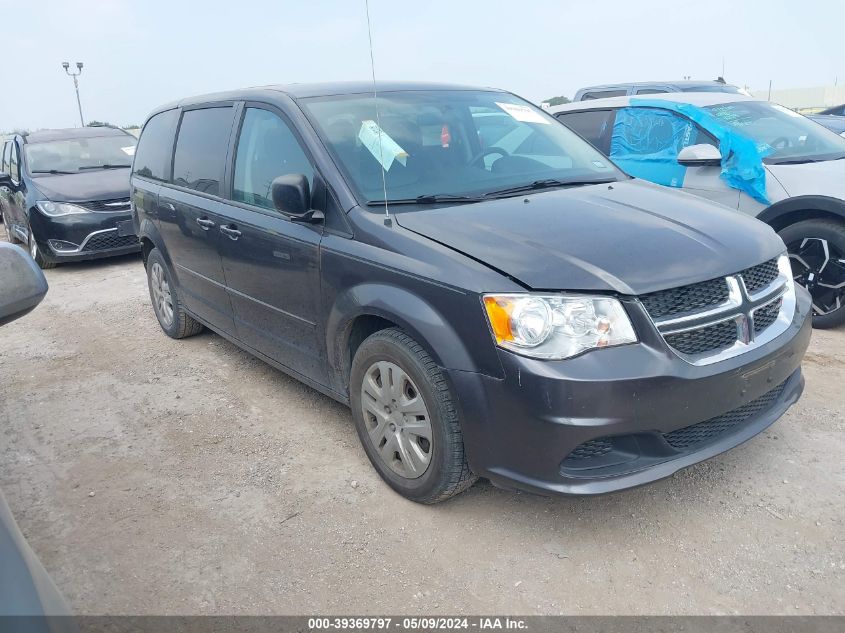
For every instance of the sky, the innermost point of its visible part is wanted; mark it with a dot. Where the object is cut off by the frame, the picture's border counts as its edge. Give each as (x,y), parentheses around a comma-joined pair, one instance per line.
(141,53)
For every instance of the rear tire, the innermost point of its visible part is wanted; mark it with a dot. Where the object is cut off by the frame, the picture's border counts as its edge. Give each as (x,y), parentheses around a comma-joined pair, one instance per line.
(35,252)
(817,254)
(406,418)
(167,303)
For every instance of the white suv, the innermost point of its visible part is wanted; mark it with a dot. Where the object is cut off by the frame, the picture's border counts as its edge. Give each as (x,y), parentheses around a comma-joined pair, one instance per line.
(753,156)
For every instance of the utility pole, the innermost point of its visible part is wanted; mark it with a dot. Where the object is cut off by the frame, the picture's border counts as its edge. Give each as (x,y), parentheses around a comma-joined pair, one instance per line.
(78,72)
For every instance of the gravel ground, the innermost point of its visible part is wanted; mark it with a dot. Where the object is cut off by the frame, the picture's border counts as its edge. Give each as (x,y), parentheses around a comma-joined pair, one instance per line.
(155,476)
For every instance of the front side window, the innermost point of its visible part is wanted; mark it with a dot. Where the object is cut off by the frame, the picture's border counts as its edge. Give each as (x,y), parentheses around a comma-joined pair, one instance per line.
(4,164)
(201,149)
(603,94)
(651,91)
(594,125)
(792,136)
(80,154)
(152,157)
(449,142)
(267,149)
(646,143)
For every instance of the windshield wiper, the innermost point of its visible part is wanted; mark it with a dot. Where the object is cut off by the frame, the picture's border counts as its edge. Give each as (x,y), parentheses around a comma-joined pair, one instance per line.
(803,161)
(546,184)
(426,199)
(105,166)
(50,171)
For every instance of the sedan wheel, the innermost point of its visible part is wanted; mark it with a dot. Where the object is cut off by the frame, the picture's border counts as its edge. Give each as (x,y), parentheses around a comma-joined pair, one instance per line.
(819,266)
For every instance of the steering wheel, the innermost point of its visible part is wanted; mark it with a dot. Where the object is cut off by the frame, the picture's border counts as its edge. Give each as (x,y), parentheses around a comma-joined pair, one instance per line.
(486,152)
(783,141)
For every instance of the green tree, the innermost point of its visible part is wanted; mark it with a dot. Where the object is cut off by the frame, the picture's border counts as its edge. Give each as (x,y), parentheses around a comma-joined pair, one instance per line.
(554,101)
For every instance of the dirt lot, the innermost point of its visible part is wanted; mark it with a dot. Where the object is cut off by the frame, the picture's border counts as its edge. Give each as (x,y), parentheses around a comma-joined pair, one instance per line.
(158,476)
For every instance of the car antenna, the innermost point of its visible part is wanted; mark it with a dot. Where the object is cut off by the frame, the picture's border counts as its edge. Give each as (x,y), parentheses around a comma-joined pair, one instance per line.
(387,220)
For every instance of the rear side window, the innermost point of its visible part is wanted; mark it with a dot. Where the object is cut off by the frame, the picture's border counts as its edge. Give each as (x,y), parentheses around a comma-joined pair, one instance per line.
(603,94)
(651,91)
(267,149)
(201,149)
(595,125)
(152,155)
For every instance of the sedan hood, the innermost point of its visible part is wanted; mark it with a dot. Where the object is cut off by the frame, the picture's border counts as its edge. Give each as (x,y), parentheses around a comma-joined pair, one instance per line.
(104,184)
(812,179)
(629,237)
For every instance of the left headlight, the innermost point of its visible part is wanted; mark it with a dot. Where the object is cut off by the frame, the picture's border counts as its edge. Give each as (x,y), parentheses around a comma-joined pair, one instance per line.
(557,326)
(53,209)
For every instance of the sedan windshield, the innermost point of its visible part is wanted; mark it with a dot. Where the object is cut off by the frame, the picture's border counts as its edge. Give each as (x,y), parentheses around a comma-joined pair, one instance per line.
(80,154)
(434,146)
(793,137)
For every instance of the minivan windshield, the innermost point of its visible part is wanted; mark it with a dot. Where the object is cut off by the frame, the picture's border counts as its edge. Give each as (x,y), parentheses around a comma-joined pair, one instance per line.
(80,154)
(445,145)
(793,137)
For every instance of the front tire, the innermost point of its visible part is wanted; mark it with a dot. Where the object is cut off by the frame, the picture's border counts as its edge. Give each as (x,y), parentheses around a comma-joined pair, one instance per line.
(817,254)
(406,418)
(35,252)
(167,303)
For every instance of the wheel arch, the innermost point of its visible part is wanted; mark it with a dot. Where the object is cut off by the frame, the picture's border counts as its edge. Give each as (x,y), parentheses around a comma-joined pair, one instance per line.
(370,307)
(782,214)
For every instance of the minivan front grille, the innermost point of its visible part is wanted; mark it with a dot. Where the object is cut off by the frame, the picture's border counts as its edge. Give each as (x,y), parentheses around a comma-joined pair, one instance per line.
(694,297)
(703,322)
(107,206)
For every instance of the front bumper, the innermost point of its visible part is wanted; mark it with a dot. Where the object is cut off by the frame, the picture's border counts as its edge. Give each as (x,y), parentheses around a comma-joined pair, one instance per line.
(82,237)
(604,421)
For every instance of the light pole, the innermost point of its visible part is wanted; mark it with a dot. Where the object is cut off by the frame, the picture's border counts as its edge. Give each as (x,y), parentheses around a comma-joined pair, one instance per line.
(78,72)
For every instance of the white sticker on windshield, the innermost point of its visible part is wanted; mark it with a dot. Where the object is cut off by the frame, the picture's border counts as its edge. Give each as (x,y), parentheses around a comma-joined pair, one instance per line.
(129,151)
(383,148)
(523,113)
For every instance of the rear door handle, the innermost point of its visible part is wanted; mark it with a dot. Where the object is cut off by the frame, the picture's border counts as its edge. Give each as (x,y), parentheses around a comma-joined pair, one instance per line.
(230,231)
(205,223)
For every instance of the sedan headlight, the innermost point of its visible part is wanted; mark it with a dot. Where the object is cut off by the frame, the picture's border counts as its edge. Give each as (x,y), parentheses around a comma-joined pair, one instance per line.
(557,326)
(53,209)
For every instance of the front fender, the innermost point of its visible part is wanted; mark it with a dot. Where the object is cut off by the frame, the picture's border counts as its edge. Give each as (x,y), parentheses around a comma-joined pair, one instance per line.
(416,316)
(790,210)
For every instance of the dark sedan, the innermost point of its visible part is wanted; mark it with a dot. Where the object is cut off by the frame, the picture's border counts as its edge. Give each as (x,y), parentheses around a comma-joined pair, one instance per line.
(65,193)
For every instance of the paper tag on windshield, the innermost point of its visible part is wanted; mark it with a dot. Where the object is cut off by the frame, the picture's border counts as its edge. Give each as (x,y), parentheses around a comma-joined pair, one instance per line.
(785,110)
(523,113)
(129,151)
(383,148)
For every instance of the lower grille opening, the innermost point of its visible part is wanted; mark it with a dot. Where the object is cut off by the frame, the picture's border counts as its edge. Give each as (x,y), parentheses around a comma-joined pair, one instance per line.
(706,339)
(640,450)
(106,241)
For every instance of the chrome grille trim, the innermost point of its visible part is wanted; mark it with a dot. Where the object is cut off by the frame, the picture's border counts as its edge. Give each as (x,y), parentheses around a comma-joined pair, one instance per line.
(740,307)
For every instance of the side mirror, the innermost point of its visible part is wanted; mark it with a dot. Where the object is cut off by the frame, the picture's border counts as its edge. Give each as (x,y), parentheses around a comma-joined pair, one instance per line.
(704,155)
(292,196)
(23,283)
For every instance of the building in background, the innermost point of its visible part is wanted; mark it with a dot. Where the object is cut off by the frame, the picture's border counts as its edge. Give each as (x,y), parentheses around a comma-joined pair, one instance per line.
(805,100)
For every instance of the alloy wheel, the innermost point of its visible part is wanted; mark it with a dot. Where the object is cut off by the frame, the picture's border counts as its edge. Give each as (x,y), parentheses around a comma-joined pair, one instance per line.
(162,298)
(397,419)
(819,266)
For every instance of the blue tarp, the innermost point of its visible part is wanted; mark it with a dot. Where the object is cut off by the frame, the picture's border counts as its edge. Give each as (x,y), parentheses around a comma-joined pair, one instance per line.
(647,138)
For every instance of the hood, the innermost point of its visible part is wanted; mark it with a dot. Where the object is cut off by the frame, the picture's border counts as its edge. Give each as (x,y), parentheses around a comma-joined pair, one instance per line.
(816,179)
(630,237)
(104,184)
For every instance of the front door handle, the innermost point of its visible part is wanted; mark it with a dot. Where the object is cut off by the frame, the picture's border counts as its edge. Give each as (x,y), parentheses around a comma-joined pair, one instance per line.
(230,231)
(205,223)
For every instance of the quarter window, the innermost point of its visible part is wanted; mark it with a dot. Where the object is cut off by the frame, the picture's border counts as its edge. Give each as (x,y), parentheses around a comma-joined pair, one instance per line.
(594,125)
(14,166)
(152,155)
(201,149)
(267,149)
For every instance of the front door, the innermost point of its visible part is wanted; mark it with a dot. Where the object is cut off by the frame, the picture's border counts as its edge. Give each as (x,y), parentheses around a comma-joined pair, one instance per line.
(190,213)
(271,264)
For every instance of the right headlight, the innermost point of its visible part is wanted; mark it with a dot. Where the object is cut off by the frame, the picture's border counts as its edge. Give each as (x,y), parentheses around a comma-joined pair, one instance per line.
(557,326)
(54,209)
